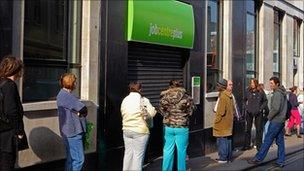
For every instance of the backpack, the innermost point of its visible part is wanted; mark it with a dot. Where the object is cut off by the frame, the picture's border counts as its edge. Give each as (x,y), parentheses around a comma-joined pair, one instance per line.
(289,107)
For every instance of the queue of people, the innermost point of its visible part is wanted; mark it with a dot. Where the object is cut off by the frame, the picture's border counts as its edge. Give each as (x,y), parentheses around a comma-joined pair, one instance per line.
(267,112)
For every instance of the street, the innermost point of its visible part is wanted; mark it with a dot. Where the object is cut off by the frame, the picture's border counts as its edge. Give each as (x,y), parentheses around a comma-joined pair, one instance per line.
(294,162)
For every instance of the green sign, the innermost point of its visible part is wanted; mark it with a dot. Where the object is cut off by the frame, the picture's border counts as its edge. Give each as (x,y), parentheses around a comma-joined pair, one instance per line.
(196,81)
(163,22)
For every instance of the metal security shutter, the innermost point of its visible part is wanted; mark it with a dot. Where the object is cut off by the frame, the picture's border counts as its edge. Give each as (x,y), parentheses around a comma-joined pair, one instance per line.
(154,66)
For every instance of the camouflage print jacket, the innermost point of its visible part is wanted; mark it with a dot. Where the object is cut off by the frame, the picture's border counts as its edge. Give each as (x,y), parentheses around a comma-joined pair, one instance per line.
(176,107)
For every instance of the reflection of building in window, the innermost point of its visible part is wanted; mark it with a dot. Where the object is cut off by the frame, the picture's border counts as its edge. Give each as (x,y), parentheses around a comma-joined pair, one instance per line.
(250,40)
(276,43)
(50,45)
(213,57)
(296,37)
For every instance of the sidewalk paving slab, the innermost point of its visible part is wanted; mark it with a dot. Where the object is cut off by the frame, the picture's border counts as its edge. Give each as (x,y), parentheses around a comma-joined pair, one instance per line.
(207,162)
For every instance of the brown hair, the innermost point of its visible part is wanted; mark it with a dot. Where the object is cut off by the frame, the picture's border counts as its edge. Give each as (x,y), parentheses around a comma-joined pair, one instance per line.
(175,83)
(276,80)
(293,88)
(11,66)
(67,81)
(134,87)
(256,83)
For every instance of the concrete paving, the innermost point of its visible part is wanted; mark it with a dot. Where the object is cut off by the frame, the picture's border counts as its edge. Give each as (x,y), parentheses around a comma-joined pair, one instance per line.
(292,145)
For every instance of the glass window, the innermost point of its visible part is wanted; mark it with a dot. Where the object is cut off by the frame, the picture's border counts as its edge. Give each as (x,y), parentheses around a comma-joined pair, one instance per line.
(51,46)
(296,38)
(250,41)
(6,18)
(213,55)
(276,44)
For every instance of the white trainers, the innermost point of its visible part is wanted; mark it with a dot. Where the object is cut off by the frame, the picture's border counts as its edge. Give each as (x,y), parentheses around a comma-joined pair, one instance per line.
(221,161)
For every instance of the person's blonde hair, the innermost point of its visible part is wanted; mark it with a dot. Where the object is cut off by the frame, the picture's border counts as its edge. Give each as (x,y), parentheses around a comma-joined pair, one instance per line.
(67,81)
(10,66)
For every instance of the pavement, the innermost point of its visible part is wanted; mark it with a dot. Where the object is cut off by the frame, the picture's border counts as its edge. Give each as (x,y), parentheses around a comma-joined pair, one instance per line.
(292,145)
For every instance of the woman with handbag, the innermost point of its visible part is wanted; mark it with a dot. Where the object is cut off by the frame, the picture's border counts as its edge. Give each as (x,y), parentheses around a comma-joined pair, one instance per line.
(176,106)
(72,122)
(137,114)
(11,121)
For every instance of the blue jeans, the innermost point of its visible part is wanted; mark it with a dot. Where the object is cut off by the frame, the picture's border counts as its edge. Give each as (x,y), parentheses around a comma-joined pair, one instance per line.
(180,138)
(74,152)
(265,130)
(275,131)
(224,148)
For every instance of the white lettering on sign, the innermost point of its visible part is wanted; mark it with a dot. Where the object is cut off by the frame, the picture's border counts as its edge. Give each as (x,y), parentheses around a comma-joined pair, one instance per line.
(165,31)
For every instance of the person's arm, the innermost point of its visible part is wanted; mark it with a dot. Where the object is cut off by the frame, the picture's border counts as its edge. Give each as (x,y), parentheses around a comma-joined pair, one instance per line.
(221,110)
(150,109)
(164,106)
(13,107)
(72,103)
(264,101)
(275,106)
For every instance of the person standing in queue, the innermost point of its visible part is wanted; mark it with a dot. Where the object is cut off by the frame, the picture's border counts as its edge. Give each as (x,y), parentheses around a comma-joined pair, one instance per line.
(176,106)
(72,122)
(255,102)
(11,121)
(137,117)
(223,122)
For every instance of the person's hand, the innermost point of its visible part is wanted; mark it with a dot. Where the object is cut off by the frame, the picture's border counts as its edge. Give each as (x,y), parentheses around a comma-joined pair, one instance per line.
(20,136)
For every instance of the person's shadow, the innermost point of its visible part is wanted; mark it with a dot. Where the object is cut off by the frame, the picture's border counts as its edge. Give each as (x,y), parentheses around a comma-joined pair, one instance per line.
(46,144)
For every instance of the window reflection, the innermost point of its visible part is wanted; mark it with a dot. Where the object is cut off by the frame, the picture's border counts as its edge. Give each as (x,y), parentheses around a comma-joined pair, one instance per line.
(213,58)
(276,44)
(51,46)
(250,41)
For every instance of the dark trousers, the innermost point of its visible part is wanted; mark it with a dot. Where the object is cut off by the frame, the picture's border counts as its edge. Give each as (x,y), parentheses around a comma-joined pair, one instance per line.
(7,161)
(259,124)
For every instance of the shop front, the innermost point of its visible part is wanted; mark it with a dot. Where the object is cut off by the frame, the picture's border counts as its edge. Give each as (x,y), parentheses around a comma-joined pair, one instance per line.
(154,49)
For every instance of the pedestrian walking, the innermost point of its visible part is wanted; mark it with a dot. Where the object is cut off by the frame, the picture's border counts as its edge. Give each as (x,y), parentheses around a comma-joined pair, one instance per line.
(137,116)
(255,103)
(72,122)
(277,117)
(11,112)
(301,109)
(223,122)
(295,117)
(176,106)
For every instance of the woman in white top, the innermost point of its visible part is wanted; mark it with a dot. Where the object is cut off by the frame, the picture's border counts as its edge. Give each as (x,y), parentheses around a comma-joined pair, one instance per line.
(136,112)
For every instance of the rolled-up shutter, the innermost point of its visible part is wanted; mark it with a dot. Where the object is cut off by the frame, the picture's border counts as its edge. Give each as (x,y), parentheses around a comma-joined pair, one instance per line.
(154,66)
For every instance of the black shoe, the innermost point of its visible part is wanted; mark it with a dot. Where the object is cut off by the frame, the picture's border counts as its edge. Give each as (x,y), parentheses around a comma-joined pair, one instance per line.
(254,161)
(278,165)
(288,135)
(299,136)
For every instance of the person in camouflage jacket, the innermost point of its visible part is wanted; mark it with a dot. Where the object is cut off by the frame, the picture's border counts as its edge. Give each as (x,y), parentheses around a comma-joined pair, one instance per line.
(176,106)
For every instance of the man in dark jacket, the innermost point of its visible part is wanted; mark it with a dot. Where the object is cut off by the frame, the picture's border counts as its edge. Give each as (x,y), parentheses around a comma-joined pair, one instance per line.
(277,117)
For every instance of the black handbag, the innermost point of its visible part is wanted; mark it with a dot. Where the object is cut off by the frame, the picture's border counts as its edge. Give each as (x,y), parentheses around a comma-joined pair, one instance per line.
(21,143)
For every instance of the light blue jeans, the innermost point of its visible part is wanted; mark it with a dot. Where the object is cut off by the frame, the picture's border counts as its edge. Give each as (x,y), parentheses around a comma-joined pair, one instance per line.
(74,152)
(265,130)
(135,147)
(180,138)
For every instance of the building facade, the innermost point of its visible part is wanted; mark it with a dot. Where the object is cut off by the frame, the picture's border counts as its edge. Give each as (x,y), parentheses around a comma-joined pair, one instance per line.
(235,40)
